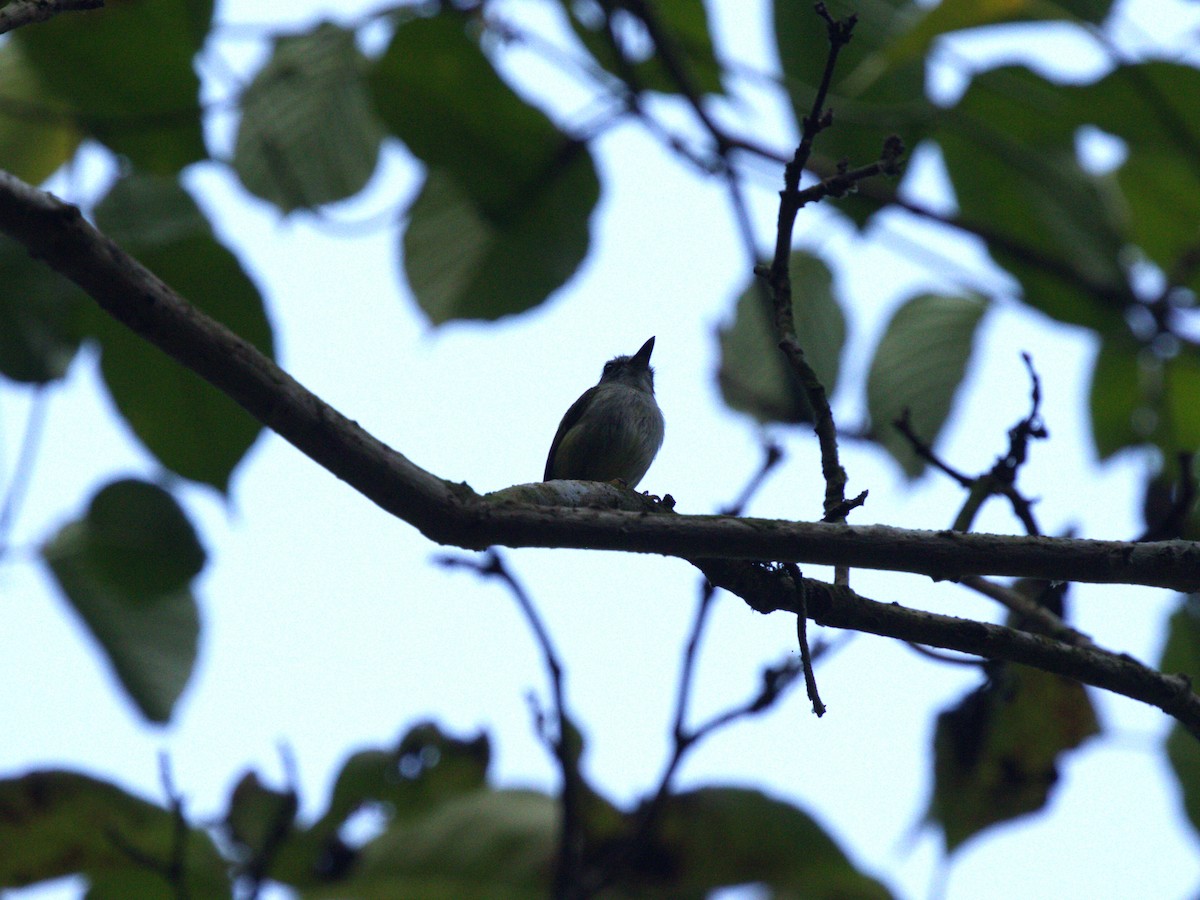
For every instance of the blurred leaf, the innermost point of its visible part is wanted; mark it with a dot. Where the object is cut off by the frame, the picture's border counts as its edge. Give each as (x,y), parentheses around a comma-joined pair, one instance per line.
(724,836)
(1116,397)
(126,71)
(481,844)
(258,816)
(36,134)
(685,23)
(308,133)
(463,264)
(871,98)
(1009,149)
(191,427)
(40,314)
(1167,512)
(436,91)
(919,365)
(502,220)
(426,768)
(1181,411)
(754,375)
(1159,179)
(140,540)
(125,569)
(1137,398)
(1181,656)
(58,823)
(996,753)
(958,15)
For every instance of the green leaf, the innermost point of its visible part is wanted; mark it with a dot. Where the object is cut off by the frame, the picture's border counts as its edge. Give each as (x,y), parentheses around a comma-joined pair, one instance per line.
(1116,398)
(140,540)
(1009,149)
(1181,412)
(685,24)
(59,823)
(919,365)
(1159,180)
(426,768)
(463,263)
(502,220)
(36,134)
(436,91)
(125,569)
(958,15)
(485,843)
(126,72)
(258,817)
(871,97)
(190,426)
(1137,398)
(724,836)
(40,317)
(308,134)
(754,376)
(996,753)
(1181,656)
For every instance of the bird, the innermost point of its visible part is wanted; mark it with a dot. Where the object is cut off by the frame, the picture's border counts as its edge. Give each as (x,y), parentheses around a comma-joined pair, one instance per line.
(614,430)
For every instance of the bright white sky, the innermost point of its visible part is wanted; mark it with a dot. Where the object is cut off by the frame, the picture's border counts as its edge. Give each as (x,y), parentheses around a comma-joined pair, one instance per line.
(326,628)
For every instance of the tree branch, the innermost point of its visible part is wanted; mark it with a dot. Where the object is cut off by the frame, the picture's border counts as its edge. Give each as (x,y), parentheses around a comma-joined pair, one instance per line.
(454,515)
(771,588)
(27,12)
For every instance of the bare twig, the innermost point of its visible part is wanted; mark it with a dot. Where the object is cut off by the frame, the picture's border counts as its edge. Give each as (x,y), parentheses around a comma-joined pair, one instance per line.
(837,606)
(173,869)
(1001,479)
(951,659)
(810,680)
(22,473)
(779,279)
(283,818)
(772,456)
(1033,612)
(567,874)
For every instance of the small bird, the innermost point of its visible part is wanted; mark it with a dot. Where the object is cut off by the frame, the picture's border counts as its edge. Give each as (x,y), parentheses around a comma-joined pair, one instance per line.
(615,429)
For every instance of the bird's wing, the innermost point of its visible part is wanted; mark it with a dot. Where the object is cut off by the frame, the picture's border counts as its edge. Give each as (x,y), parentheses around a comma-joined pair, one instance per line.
(573,415)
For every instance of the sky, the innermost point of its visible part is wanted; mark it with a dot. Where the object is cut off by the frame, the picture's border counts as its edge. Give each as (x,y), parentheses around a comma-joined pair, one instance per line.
(327,628)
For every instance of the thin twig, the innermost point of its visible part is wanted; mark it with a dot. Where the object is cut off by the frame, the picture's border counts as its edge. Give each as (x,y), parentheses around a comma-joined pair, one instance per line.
(22,473)
(567,874)
(1001,479)
(1045,621)
(779,278)
(938,656)
(175,870)
(772,456)
(283,819)
(810,680)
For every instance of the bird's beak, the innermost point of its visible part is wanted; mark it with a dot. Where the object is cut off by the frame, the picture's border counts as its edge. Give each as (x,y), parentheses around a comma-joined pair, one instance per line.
(642,357)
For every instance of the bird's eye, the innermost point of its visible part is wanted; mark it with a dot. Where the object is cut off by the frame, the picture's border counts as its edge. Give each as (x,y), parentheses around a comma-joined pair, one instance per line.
(608,367)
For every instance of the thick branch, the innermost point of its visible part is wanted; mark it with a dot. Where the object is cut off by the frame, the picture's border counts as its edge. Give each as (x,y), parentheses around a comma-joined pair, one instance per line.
(453,514)
(842,608)
(770,588)
(27,12)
